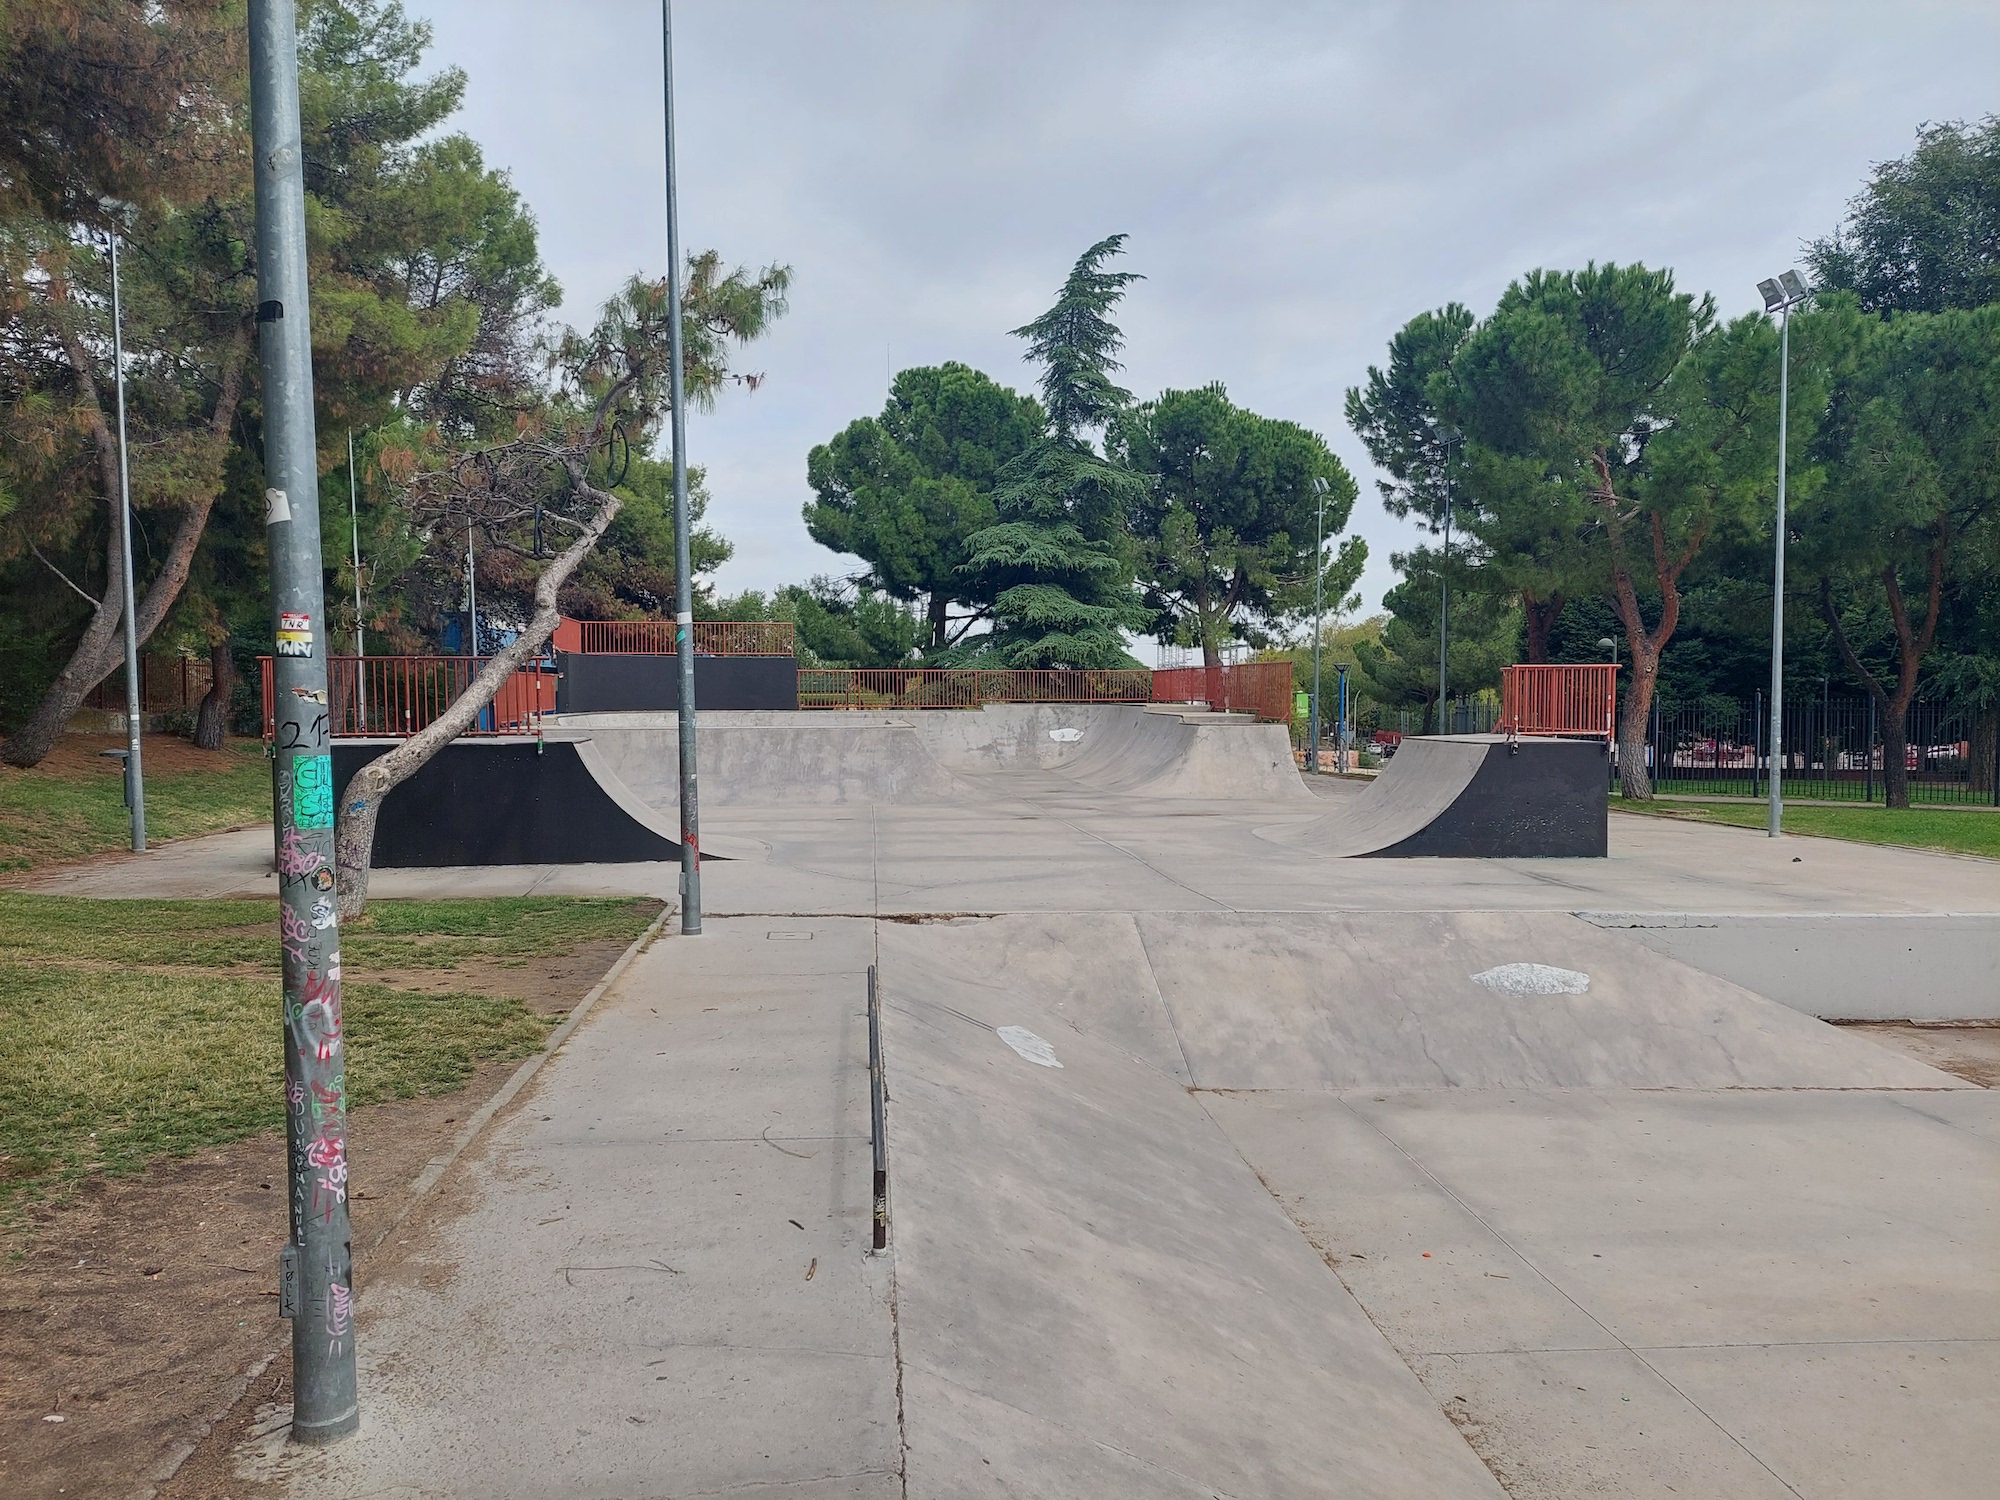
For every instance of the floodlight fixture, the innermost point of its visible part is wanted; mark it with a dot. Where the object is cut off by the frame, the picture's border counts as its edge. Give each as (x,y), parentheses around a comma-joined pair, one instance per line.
(1795,287)
(1774,295)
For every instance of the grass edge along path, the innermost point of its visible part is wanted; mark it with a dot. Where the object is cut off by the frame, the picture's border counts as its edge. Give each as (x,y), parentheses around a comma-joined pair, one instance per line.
(70,810)
(107,1065)
(1966,830)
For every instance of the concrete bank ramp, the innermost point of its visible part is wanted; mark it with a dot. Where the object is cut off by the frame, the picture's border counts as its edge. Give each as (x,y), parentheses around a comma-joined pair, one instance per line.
(1334,1000)
(1095,1296)
(774,759)
(1470,796)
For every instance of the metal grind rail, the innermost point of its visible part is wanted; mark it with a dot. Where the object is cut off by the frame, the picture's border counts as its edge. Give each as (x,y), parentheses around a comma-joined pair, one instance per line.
(877,1100)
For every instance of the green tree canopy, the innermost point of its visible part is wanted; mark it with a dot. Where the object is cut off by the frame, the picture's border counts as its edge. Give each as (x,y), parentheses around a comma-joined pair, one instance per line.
(1054,563)
(1909,448)
(1924,235)
(904,491)
(1398,668)
(1225,522)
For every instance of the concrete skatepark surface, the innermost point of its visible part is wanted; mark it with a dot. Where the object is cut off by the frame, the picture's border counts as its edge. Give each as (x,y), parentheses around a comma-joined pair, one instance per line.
(1219,1166)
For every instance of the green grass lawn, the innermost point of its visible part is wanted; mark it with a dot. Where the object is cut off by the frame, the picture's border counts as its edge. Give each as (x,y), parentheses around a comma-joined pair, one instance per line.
(1961,831)
(131,1030)
(70,806)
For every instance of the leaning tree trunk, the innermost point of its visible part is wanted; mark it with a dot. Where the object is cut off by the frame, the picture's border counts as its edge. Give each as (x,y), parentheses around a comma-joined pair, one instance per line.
(361,801)
(1540,616)
(98,654)
(211,720)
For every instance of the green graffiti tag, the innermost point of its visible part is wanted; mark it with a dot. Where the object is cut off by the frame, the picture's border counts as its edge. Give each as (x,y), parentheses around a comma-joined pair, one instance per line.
(312,791)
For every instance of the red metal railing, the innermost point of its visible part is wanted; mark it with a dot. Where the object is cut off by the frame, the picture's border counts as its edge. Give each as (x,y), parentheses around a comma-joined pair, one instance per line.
(916,687)
(656,637)
(1564,699)
(398,695)
(1263,688)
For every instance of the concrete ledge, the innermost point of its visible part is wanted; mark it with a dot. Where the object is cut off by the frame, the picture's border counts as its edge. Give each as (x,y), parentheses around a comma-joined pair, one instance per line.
(1870,966)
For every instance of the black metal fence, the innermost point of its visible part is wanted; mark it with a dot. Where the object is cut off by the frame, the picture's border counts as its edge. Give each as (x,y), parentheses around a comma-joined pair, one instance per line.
(1831,751)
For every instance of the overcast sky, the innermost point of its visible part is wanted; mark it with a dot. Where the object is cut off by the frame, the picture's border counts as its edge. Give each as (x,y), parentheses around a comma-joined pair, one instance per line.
(1298,179)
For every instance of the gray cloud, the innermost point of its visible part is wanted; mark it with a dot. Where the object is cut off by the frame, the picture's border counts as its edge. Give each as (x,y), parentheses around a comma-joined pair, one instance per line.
(1298,179)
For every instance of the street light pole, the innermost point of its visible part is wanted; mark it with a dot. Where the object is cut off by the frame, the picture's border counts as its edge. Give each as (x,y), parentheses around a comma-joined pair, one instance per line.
(1451,438)
(354,535)
(683,562)
(316,1266)
(1781,294)
(1319,609)
(135,705)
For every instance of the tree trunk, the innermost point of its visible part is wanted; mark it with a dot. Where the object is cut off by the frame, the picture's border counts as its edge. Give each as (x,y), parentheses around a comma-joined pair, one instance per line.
(1540,615)
(361,801)
(1983,760)
(1635,777)
(99,652)
(211,720)
(1912,646)
(940,604)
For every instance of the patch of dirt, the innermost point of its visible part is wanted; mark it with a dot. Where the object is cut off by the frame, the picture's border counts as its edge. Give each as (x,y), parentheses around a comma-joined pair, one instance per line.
(1969,1052)
(134,1309)
(77,755)
(547,986)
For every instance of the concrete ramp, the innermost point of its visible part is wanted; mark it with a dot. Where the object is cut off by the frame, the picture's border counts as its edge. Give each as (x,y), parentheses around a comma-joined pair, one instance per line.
(1397,1000)
(1095,1296)
(774,759)
(1471,796)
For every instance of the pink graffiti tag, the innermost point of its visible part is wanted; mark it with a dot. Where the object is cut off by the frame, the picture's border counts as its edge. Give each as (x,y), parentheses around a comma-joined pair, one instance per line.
(295,860)
(294,933)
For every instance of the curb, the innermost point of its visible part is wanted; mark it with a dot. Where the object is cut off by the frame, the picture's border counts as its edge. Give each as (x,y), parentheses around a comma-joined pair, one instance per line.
(427,1181)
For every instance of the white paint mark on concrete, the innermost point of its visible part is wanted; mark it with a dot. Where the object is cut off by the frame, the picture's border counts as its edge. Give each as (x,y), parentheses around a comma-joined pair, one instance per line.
(1030,1046)
(1065,736)
(1533,979)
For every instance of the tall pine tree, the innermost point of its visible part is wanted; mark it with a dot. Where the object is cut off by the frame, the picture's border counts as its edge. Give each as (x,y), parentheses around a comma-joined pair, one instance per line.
(1056,564)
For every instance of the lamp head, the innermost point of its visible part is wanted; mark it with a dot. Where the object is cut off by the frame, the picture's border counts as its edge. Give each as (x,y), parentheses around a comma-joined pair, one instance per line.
(1774,295)
(1795,287)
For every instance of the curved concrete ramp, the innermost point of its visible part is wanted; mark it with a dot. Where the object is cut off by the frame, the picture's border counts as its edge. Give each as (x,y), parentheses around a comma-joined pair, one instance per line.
(1471,797)
(944,756)
(775,759)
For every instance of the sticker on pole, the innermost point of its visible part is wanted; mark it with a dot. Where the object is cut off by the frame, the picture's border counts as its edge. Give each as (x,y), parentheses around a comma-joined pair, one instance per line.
(1035,1049)
(1533,979)
(277,507)
(295,634)
(312,791)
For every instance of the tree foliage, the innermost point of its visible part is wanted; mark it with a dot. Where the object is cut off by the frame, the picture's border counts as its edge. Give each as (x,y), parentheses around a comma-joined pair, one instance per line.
(1226,519)
(904,491)
(1055,561)
(1924,235)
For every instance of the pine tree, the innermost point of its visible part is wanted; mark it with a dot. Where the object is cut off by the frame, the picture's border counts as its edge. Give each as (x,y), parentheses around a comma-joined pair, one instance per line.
(1055,564)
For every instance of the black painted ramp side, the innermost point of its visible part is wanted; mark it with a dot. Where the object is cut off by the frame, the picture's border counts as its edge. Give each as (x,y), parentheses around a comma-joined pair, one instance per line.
(1533,799)
(501,802)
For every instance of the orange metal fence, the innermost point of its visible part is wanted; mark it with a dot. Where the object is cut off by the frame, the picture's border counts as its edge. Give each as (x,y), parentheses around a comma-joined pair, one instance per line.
(1563,699)
(915,687)
(398,695)
(656,637)
(1263,688)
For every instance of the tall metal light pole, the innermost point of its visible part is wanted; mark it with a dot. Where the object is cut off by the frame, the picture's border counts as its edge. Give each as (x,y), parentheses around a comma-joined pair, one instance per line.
(1319,610)
(683,563)
(316,1267)
(1781,295)
(354,536)
(1450,438)
(135,703)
